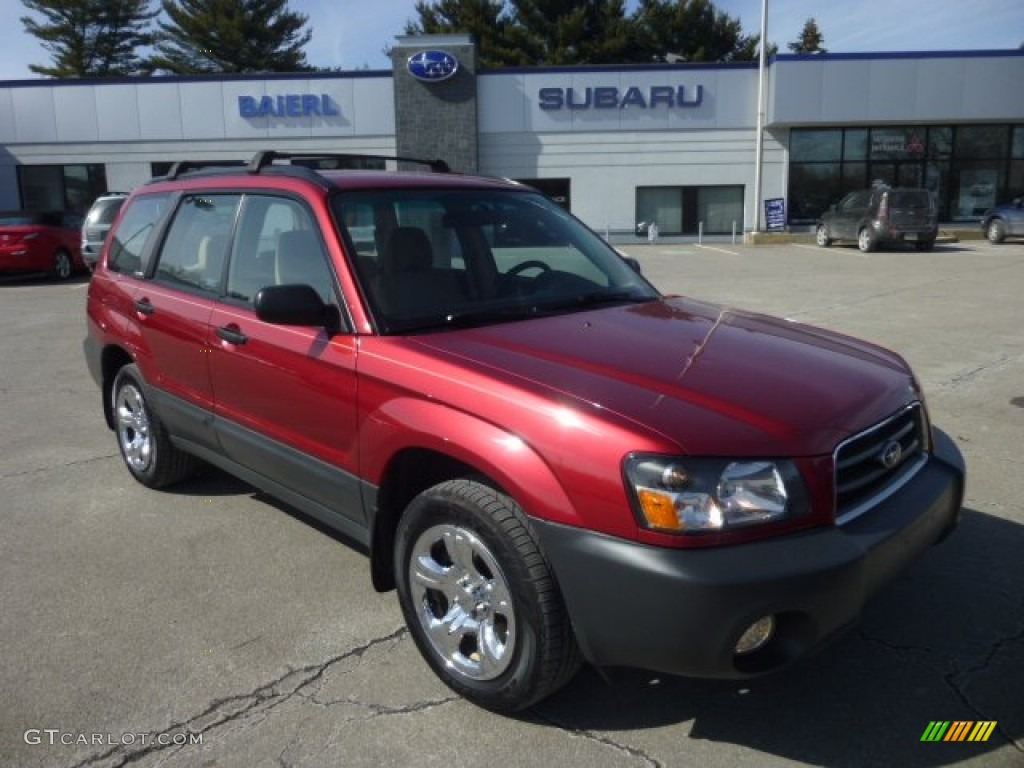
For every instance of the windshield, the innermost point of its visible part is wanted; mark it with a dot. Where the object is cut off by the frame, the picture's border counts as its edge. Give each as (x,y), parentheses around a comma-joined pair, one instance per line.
(435,258)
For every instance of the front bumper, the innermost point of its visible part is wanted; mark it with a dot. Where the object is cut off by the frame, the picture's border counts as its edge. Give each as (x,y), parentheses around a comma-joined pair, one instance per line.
(682,611)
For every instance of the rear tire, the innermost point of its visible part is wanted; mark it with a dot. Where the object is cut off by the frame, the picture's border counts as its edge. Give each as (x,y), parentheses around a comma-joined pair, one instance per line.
(995,231)
(866,240)
(821,236)
(480,599)
(145,447)
(63,267)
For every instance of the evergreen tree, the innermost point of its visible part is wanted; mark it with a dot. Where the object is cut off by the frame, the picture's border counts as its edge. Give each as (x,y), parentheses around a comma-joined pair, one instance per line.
(556,32)
(216,36)
(90,38)
(693,30)
(810,39)
(486,20)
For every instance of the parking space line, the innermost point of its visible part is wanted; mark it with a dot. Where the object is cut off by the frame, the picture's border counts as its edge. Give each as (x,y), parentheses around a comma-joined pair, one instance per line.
(720,250)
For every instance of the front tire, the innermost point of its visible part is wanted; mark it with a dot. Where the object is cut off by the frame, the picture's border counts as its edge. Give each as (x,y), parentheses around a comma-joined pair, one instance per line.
(145,447)
(480,599)
(821,235)
(866,240)
(996,231)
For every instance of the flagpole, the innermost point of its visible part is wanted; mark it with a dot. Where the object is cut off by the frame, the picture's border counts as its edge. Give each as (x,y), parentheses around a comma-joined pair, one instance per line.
(759,142)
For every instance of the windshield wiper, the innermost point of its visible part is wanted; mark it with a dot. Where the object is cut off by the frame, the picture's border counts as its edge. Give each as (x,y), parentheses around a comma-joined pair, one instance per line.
(596,297)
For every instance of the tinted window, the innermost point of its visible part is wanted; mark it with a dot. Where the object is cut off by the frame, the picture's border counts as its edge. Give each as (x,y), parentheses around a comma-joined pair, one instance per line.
(909,198)
(129,241)
(807,145)
(856,201)
(277,244)
(194,251)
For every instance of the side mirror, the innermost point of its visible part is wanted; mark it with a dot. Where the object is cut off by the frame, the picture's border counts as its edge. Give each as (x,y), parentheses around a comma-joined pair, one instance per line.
(295,304)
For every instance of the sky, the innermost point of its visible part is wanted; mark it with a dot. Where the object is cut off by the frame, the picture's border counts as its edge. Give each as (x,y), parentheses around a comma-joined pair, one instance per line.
(352,34)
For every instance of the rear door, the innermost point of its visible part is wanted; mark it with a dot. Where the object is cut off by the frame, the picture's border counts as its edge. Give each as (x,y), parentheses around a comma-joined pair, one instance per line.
(850,212)
(285,395)
(173,312)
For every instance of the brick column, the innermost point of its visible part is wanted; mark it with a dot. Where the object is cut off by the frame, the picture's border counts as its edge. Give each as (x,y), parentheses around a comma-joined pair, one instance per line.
(436,119)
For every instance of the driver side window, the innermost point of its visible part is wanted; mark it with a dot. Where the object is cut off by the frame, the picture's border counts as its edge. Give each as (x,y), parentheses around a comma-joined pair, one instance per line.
(278,243)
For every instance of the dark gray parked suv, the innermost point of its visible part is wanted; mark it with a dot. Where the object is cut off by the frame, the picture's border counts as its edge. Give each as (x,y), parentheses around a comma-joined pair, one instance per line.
(879,216)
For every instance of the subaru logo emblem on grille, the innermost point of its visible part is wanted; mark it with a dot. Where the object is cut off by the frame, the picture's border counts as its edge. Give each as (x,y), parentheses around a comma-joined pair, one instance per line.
(891,454)
(432,66)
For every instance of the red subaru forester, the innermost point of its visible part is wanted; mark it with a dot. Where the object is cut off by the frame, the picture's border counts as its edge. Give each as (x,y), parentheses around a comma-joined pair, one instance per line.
(550,460)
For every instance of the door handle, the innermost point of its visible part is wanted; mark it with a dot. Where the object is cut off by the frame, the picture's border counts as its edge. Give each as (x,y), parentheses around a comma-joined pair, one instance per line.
(232,334)
(144,307)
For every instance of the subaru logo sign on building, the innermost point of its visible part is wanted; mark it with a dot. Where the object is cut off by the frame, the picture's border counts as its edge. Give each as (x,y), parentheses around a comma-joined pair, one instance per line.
(432,66)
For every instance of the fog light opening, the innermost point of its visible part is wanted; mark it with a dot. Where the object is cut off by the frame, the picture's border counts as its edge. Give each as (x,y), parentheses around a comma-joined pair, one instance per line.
(756,636)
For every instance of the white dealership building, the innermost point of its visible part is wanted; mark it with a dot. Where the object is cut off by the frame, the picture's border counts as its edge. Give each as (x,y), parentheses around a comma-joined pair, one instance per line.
(672,143)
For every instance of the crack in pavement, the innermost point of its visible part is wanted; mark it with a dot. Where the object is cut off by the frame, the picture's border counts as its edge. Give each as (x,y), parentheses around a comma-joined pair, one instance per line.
(604,741)
(955,679)
(966,378)
(231,708)
(65,465)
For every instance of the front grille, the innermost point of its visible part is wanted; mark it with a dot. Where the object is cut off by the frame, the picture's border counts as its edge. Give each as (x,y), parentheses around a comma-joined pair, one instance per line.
(93,234)
(879,460)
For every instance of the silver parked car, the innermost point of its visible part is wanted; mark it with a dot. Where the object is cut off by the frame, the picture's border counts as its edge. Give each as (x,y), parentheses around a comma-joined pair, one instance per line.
(97,224)
(1006,220)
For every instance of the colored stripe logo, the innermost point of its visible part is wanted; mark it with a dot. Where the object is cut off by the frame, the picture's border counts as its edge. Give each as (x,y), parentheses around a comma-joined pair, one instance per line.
(959,730)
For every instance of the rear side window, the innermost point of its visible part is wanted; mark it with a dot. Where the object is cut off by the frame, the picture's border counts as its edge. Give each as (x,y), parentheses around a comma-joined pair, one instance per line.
(194,251)
(105,211)
(129,240)
(910,199)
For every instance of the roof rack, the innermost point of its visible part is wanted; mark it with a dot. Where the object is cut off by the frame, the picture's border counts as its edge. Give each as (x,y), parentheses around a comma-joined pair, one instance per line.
(183,166)
(266,157)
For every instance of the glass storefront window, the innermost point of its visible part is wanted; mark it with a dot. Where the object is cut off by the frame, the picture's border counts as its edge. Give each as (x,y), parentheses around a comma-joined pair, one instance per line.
(813,187)
(1015,181)
(61,187)
(720,209)
(855,144)
(975,189)
(963,166)
(982,142)
(897,143)
(1017,150)
(683,210)
(806,145)
(663,205)
(940,142)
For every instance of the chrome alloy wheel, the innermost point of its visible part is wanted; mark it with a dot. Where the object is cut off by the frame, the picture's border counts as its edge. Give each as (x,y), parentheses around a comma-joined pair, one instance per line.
(133,427)
(463,602)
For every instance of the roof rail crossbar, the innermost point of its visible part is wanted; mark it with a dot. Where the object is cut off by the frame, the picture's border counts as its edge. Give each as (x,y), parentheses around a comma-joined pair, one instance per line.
(266,157)
(183,166)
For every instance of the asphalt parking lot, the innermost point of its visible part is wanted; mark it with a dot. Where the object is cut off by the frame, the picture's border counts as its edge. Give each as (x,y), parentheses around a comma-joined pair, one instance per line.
(210,626)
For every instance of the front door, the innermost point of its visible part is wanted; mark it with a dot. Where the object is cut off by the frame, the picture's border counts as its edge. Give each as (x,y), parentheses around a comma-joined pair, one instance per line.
(285,396)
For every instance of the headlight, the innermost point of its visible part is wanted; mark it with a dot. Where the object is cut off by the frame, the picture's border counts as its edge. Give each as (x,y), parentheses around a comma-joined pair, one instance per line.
(686,495)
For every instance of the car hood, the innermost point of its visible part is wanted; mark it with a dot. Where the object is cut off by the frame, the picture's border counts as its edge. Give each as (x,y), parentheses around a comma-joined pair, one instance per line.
(710,380)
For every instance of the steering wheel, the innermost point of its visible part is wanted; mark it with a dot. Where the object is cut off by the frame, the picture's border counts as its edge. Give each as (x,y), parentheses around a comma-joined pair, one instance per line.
(529,264)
